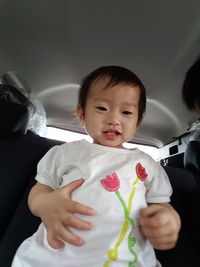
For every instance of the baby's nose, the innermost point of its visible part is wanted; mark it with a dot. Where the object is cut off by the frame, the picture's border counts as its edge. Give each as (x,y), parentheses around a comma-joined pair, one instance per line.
(113,121)
(113,118)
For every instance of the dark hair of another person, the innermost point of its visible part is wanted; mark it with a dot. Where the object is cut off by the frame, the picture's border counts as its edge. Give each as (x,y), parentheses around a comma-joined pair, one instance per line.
(117,75)
(191,87)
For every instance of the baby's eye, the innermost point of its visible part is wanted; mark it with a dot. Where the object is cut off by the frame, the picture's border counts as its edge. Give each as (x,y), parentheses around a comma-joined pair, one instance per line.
(102,108)
(126,112)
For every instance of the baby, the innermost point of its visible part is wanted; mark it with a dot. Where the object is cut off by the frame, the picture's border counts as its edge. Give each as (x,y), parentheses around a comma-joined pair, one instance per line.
(128,190)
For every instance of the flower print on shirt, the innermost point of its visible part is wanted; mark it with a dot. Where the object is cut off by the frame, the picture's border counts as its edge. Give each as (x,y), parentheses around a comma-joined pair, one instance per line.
(112,184)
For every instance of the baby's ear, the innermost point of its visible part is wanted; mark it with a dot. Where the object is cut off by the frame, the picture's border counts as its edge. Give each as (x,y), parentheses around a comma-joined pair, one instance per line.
(80,115)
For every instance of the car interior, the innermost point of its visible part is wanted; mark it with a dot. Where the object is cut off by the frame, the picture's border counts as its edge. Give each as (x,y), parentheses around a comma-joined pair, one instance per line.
(47,47)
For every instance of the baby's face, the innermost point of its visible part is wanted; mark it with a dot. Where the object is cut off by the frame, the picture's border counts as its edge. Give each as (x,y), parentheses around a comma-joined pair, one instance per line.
(111,114)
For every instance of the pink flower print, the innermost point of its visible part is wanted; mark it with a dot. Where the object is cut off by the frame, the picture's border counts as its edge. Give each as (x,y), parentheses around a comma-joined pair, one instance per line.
(141,172)
(111,182)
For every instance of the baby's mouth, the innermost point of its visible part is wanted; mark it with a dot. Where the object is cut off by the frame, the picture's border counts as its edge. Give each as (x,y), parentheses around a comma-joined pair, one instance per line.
(111,132)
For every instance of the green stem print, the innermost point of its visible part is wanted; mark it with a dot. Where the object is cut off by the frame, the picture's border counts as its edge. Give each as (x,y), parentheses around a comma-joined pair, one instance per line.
(113,253)
(112,183)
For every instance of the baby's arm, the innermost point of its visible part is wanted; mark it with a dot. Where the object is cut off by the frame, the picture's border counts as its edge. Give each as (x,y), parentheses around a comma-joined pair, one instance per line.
(55,208)
(160,223)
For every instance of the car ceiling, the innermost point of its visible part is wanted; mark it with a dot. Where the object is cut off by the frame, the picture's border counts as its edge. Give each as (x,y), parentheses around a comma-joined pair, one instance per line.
(54,44)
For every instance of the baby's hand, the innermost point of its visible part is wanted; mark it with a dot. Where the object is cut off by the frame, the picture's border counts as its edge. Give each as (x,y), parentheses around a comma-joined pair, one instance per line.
(160,223)
(56,210)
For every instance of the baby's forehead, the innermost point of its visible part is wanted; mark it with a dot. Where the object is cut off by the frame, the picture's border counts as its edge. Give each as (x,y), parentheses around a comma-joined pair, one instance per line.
(102,83)
(105,82)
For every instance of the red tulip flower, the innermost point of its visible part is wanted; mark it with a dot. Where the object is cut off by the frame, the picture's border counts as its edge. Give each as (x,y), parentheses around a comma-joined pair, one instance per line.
(111,182)
(141,173)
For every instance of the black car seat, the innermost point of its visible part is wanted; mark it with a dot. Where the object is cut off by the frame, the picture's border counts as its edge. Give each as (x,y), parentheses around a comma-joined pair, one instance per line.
(20,151)
(192,157)
(185,199)
(192,164)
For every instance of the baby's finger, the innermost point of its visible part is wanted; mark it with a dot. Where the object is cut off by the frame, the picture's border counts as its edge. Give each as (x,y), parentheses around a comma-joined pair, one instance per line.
(154,222)
(151,210)
(156,219)
(76,207)
(78,223)
(54,242)
(69,188)
(67,236)
(156,232)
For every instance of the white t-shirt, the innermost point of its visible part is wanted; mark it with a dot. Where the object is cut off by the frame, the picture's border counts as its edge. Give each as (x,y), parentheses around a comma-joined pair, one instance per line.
(118,184)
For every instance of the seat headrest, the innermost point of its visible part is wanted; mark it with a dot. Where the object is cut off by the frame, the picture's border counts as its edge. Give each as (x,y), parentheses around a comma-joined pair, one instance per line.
(14,118)
(192,156)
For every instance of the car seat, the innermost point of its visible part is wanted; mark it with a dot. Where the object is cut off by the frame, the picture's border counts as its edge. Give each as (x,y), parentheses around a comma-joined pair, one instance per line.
(192,164)
(185,199)
(20,151)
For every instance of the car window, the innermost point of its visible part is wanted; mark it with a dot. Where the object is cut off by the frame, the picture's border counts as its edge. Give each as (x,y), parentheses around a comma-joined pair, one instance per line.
(68,136)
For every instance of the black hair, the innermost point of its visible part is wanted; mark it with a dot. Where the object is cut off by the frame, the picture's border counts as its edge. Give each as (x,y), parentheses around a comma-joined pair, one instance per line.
(191,87)
(117,75)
